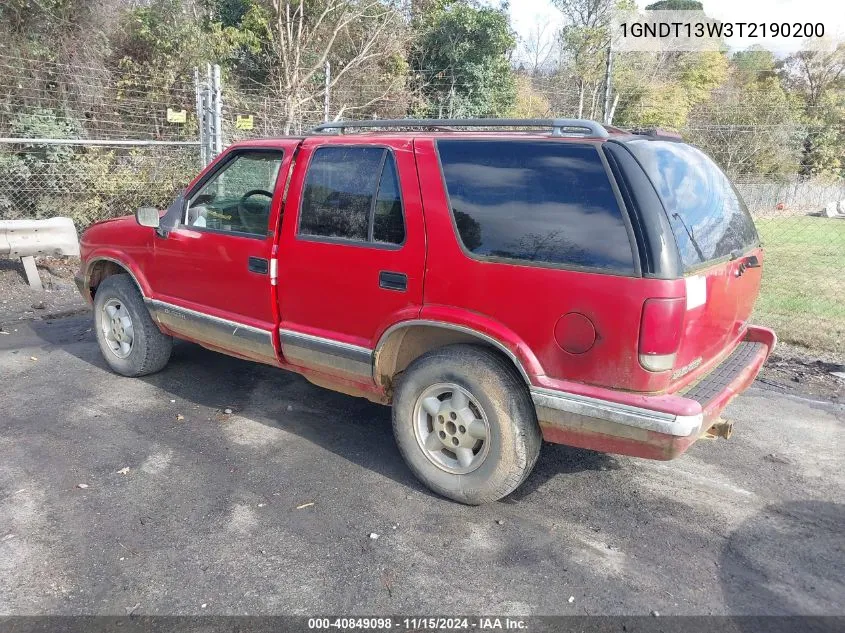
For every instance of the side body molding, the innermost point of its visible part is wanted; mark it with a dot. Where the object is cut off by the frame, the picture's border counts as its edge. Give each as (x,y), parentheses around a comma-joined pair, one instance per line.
(324,354)
(242,340)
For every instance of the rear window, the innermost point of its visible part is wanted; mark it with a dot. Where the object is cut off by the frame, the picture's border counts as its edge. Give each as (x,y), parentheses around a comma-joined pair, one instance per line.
(707,215)
(544,202)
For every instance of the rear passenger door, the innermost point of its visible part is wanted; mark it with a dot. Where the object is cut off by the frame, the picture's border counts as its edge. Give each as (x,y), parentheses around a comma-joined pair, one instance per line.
(352,256)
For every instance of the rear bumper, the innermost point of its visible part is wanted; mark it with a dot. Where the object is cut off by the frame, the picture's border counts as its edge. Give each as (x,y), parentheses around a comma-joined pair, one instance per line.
(653,432)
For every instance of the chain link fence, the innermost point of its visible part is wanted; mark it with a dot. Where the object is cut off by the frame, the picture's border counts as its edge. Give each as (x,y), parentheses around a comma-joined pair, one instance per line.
(92,146)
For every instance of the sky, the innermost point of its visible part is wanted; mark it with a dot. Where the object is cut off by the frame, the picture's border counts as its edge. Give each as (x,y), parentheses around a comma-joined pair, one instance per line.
(525,14)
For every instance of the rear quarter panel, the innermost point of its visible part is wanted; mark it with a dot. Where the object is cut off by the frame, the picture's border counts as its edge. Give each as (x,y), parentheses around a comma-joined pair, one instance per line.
(529,300)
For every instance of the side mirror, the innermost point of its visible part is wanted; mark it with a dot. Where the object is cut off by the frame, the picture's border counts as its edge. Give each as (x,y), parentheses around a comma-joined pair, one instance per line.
(147,216)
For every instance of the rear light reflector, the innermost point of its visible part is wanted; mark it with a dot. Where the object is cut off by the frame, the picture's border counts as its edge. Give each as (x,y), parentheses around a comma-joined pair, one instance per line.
(658,362)
(661,329)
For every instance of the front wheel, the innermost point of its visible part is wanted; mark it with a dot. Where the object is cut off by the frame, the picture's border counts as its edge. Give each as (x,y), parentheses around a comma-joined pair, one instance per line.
(465,424)
(129,340)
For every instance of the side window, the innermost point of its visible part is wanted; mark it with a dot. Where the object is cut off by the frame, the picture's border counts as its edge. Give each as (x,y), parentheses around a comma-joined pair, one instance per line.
(352,193)
(237,198)
(536,201)
(388,219)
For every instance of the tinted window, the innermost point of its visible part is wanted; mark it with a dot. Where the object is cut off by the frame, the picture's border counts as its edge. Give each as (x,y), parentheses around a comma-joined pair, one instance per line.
(237,198)
(538,201)
(388,221)
(707,215)
(352,193)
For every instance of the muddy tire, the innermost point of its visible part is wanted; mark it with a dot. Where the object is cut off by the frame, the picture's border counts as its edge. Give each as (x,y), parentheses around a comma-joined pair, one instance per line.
(129,339)
(465,423)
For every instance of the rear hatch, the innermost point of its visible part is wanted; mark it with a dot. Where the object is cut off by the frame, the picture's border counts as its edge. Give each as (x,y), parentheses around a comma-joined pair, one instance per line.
(718,243)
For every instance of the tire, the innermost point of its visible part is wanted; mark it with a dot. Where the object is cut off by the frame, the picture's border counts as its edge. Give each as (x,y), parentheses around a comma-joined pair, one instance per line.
(131,348)
(502,456)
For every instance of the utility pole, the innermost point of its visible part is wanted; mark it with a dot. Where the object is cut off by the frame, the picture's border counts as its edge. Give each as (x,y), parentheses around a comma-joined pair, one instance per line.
(208,114)
(327,100)
(218,112)
(200,117)
(608,114)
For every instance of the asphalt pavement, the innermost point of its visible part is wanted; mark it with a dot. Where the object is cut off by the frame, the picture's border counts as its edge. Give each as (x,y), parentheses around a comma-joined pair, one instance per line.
(123,495)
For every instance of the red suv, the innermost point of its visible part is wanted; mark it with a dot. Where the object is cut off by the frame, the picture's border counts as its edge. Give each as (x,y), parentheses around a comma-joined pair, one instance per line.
(569,283)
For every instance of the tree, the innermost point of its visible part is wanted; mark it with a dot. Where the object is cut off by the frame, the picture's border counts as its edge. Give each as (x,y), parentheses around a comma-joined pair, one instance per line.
(461,58)
(585,39)
(529,103)
(662,88)
(750,124)
(749,127)
(299,38)
(675,5)
(538,48)
(819,78)
(754,64)
(152,58)
(814,72)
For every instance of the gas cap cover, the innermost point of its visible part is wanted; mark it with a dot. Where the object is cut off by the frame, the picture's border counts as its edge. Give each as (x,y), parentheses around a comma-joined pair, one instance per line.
(575,333)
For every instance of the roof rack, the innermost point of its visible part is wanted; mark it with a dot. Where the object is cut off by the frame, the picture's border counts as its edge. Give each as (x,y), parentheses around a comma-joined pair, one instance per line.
(560,127)
(657,132)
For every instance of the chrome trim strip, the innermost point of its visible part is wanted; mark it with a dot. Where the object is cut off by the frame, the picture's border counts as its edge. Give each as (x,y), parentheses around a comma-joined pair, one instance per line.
(458,328)
(319,341)
(626,415)
(244,340)
(317,351)
(208,317)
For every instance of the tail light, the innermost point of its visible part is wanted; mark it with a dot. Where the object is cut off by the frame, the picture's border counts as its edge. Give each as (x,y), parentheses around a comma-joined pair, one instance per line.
(660,332)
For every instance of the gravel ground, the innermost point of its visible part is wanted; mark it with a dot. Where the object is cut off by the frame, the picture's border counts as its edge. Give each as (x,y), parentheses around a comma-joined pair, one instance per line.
(144,495)
(19,302)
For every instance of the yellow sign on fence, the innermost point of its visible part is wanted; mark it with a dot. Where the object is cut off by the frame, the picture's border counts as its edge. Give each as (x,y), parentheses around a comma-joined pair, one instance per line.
(176,116)
(244,122)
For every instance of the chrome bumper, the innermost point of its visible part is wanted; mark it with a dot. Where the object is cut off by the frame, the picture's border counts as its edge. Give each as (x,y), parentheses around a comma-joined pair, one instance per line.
(580,410)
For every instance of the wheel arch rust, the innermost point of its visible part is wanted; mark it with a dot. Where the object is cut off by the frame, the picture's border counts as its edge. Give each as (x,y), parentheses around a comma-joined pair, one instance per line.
(99,267)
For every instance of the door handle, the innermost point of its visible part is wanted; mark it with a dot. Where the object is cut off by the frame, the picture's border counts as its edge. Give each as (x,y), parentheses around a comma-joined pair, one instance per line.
(393,281)
(259,265)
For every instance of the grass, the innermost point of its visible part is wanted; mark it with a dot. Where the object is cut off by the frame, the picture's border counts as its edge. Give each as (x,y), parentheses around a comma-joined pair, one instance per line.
(803,294)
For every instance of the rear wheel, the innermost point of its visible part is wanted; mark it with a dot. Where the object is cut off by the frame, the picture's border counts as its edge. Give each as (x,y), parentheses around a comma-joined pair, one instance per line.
(129,340)
(465,424)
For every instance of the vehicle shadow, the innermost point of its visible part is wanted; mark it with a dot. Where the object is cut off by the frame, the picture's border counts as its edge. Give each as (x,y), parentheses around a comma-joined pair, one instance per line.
(352,428)
(557,459)
(355,429)
(787,560)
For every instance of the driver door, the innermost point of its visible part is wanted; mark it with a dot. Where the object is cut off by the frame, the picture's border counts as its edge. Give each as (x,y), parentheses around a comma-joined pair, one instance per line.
(212,271)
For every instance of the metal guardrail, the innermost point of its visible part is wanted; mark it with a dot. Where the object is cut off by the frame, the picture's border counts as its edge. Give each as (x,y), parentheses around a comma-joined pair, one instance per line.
(27,238)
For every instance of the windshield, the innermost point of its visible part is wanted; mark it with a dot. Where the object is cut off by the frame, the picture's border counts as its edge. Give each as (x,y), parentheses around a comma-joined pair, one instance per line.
(707,215)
